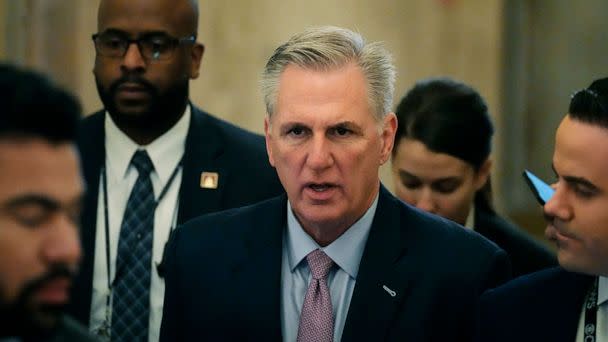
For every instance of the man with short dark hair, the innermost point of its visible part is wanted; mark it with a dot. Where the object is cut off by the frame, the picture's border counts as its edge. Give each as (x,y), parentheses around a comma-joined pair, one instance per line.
(152,160)
(41,190)
(338,258)
(567,303)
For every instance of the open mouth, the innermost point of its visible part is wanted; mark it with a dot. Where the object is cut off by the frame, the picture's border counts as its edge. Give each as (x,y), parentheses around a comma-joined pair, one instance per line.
(320,191)
(55,291)
(320,187)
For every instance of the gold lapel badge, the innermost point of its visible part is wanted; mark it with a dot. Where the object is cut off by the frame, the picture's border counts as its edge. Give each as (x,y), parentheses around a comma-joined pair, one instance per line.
(209,180)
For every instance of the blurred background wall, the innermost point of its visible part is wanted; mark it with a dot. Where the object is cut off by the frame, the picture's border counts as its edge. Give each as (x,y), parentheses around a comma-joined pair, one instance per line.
(524,56)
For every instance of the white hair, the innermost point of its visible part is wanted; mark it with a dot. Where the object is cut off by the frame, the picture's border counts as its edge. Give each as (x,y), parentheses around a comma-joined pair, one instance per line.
(329,47)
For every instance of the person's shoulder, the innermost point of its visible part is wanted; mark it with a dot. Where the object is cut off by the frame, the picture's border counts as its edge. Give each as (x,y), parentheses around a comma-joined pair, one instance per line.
(90,131)
(498,228)
(91,121)
(440,229)
(527,253)
(539,306)
(70,330)
(235,219)
(540,283)
(446,238)
(449,251)
(226,129)
(222,233)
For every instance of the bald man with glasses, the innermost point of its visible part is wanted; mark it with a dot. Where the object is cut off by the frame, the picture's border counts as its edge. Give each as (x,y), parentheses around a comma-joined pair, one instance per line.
(152,160)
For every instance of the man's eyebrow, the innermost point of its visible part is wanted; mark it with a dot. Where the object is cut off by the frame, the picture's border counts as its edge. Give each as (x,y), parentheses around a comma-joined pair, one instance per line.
(291,125)
(580,180)
(405,174)
(141,34)
(347,124)
(32,199)
(114,31)
(576,180)
(447,179)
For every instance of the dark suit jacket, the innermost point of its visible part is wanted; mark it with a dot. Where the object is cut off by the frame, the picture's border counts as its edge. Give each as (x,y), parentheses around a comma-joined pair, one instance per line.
(67,330)
(223,282)
(71,331)
(526,254)
(542,306)
(245,177)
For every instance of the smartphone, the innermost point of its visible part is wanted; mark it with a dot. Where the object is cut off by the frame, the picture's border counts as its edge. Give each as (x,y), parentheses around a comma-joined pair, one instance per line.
(541,190)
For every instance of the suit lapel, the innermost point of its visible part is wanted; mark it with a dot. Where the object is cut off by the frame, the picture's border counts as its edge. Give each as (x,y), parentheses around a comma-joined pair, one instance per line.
(91,147)
(260,268)
(381,283)
(203,147)
(564,305)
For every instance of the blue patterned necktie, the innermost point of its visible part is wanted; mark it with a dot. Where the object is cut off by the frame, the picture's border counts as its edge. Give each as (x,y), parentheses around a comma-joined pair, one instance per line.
(131,288)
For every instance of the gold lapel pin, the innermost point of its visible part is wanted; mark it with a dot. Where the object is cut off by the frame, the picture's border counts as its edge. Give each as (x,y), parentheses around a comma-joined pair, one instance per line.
(209,180)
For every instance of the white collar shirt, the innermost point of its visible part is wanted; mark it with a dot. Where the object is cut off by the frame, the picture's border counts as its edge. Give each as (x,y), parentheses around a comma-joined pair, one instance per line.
(165,152)
(346,252)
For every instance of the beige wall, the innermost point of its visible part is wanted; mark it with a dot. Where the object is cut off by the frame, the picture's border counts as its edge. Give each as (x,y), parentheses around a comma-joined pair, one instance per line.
(459,38)
(525,57)
(428,38)
(3,29)
(552,48)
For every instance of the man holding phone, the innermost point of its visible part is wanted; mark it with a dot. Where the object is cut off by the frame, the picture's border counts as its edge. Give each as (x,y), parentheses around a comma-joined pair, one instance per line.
(570,302)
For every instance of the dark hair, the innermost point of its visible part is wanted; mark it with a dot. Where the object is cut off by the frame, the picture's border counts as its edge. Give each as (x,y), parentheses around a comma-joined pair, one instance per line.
(32,106)
(591,105)
(448,117)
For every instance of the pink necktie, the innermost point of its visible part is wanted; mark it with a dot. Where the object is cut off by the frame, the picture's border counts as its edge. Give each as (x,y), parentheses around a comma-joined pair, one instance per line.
(316,319)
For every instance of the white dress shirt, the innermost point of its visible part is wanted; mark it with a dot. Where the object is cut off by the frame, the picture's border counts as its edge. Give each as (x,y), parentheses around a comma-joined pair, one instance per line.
(165,153)
(346,252)
(470,223)
(601,323)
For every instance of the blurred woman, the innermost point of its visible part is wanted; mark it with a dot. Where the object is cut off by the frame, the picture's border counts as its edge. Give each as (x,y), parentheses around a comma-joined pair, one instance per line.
(441,164)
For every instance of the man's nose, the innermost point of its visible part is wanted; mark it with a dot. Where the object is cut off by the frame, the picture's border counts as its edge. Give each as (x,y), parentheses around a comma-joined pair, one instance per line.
(319,155)
(426,201)
(62,245)
(133,58)
(557,206)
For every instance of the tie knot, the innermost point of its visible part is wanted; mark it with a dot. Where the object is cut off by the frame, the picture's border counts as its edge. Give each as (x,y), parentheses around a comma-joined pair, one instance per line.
(141,161)
(319,263)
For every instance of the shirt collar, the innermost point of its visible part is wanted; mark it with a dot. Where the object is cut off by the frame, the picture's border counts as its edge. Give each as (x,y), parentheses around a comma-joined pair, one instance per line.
(165,152)
(602,291)
(346,251)
(470,223)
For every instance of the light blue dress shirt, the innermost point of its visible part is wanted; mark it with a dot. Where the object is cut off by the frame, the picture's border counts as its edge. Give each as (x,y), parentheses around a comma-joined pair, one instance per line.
(346,253)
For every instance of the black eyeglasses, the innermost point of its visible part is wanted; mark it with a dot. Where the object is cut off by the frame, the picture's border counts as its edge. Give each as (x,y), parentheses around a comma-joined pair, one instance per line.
(156,47)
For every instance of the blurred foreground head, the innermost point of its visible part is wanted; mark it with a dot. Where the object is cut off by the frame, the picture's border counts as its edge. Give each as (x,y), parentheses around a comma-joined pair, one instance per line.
(40,196)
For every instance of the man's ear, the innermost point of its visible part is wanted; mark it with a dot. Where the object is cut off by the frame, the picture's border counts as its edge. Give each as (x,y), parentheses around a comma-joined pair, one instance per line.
(482,175)
(196,56)
(268,137)
(389,129)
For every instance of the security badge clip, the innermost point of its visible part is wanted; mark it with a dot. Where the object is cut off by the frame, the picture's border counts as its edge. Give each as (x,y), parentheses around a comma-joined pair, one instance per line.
(209,180)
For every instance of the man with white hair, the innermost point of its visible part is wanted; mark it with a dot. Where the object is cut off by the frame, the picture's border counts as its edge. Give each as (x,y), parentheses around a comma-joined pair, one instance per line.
(337,257)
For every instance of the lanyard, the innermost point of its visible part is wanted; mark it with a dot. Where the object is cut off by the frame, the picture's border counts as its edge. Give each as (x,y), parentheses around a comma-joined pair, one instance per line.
(589,329)
(104,330)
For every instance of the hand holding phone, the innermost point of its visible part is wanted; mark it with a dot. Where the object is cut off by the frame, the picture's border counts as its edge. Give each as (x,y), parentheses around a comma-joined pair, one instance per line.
(541,190)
